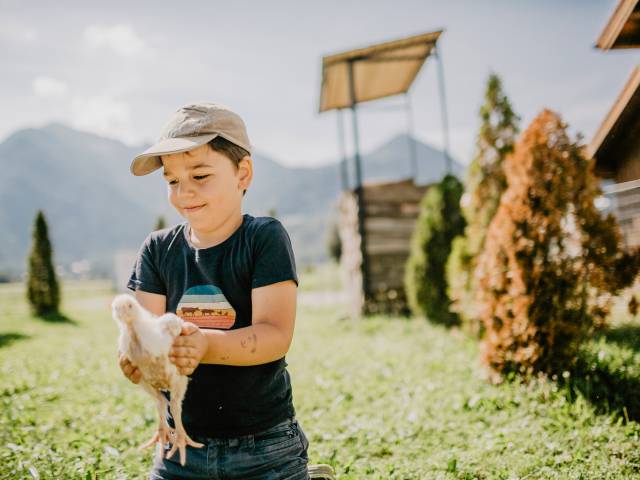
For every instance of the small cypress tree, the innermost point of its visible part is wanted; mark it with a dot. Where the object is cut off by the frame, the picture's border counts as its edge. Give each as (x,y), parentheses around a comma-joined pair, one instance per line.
(43,292)
(334,244)
(439,222)
(551,262)
(160,223)
(484,185)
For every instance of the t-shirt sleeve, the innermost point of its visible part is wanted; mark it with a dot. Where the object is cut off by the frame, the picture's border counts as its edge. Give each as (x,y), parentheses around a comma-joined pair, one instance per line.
(145,275)
(273,256)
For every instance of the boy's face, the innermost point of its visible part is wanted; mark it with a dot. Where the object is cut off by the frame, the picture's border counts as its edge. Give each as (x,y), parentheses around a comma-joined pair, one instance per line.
(205,187)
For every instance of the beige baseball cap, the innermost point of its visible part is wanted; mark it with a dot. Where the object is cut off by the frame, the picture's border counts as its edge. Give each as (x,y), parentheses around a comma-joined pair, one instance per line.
(191,126)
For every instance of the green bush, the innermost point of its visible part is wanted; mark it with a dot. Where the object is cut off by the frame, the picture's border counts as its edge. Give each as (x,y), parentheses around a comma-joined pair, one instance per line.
(439,222)
(43,292)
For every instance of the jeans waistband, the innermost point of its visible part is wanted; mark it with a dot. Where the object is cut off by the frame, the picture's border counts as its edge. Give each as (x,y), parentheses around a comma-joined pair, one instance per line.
(248,439)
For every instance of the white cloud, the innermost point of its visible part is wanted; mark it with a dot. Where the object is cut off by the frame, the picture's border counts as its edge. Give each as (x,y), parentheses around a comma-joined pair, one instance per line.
(49,87)
(103,115)
(17,33)
(120,38)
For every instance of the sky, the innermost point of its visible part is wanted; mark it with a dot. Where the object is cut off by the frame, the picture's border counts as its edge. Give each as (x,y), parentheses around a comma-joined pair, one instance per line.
(121,68)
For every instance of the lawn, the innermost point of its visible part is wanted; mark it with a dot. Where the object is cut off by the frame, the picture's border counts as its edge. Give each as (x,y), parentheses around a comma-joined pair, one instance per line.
(381,398)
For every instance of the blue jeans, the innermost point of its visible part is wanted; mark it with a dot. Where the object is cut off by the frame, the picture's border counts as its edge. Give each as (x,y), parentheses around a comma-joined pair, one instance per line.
(279,452)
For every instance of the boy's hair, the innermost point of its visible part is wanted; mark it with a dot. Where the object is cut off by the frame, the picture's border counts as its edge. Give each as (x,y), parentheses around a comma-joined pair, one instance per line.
(230,150)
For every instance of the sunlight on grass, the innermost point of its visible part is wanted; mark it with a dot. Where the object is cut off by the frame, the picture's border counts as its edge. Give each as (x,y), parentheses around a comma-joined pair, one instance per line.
(381,398)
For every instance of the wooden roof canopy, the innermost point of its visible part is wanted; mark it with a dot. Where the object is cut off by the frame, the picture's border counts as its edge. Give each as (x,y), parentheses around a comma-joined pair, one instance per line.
(378,71)
(623,28)
(620,126)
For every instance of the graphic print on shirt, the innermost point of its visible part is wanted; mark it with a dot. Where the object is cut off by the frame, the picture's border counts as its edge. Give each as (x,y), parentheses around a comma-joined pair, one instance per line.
(207,307)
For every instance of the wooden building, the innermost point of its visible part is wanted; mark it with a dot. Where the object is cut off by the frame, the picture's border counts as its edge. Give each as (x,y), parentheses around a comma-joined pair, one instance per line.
(377,220)
(391,212)
(616,144)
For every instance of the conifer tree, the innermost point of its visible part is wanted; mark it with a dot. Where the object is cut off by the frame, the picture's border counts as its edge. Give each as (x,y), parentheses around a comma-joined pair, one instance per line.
(551,262)
(439,222)
(43,291)
(160,223)
(484,185)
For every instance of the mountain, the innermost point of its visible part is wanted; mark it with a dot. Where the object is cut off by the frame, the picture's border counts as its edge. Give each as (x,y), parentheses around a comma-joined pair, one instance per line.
(303,190)
(95,207)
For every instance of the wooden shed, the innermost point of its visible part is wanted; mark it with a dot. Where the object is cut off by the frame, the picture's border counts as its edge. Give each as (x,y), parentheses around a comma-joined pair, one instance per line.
(615,146)
(376,221)
(389,219)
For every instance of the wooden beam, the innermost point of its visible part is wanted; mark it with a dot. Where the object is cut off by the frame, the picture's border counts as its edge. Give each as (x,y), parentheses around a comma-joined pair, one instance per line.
(627,104)
(623,28)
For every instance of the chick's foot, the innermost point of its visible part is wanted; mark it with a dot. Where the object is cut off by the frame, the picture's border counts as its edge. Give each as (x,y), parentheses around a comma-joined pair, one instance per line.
(161,436)
(180,443)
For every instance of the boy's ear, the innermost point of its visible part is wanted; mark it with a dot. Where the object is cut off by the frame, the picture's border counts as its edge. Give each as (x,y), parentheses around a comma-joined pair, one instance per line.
(245,172)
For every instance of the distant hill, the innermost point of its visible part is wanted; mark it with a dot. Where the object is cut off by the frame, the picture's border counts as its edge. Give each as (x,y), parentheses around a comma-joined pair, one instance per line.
(95,206)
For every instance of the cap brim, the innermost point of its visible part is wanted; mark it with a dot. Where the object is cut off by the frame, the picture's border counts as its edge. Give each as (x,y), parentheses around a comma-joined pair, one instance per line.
(149,160)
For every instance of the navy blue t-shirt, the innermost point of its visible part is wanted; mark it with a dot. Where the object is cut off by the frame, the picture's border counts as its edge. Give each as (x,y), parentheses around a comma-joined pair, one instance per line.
(211,287)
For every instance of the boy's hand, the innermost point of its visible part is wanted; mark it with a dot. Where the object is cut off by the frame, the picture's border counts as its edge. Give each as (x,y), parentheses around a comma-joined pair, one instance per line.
(129,370)
(188,349)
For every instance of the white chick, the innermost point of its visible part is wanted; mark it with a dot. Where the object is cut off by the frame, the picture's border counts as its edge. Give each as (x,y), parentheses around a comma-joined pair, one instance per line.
(146,341)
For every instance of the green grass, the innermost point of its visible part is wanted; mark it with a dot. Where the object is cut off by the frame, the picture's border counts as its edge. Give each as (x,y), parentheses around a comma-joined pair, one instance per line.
(323,277)
(381,398)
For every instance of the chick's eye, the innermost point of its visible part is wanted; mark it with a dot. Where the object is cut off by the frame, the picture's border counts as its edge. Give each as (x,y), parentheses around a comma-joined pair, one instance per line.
(172,182)
(200,177)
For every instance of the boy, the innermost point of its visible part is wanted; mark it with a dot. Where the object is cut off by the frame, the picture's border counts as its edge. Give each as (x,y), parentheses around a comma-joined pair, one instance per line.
(232,278)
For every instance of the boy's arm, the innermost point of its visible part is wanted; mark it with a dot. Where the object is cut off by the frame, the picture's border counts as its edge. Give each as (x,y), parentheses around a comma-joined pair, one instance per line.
(269,336)
(154,302)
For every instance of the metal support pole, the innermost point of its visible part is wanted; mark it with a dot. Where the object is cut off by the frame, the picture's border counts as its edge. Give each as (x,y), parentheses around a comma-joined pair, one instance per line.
(344,175)
(358,189)
(413,156)
(443,110)
(356,135)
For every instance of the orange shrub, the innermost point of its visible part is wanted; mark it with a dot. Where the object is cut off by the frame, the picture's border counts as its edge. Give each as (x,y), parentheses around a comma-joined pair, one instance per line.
(551,262)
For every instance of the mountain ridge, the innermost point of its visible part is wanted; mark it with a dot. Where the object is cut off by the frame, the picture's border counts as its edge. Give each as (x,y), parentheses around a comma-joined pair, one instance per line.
(95,207)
